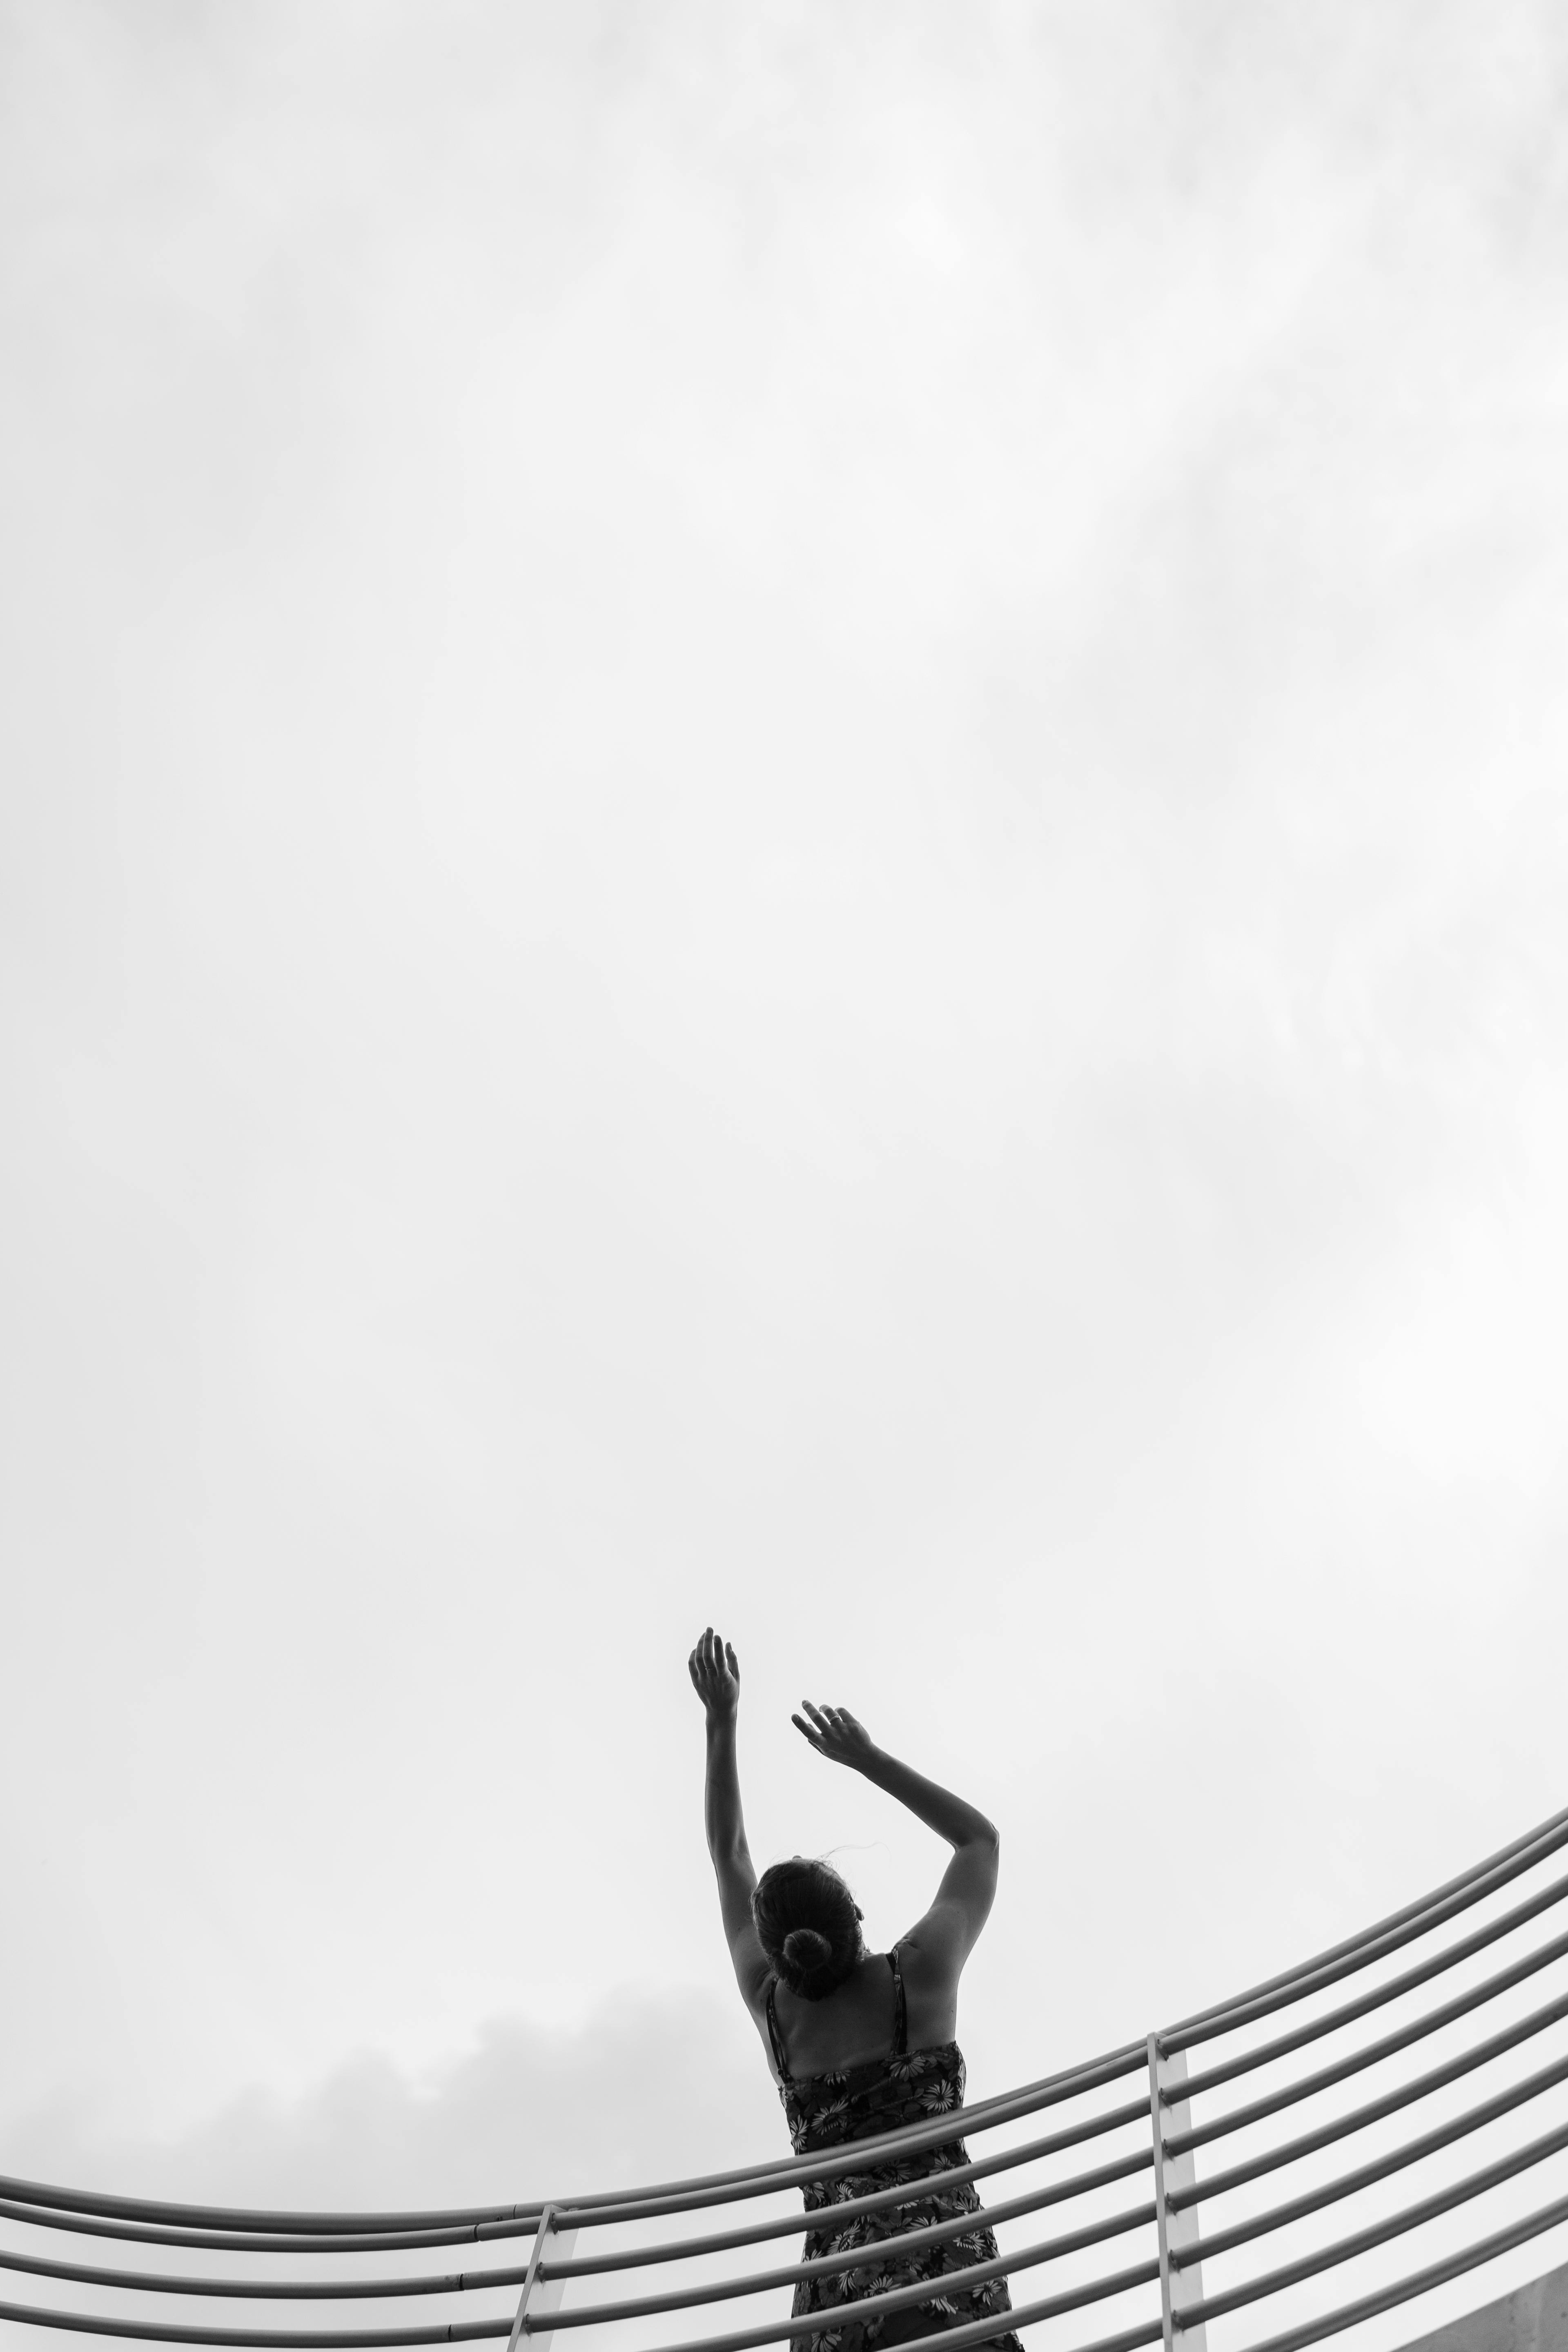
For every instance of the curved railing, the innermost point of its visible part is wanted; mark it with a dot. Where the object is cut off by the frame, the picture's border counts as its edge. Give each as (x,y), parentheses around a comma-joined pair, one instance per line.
(1422,2095)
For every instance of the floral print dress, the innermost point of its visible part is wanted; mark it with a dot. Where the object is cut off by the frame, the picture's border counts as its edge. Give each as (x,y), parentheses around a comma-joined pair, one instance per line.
(860,2103)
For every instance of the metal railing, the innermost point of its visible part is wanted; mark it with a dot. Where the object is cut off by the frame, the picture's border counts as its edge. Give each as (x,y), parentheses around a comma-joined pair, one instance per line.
(1457,2091)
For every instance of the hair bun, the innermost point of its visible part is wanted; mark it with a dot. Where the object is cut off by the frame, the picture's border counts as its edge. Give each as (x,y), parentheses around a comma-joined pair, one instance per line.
(806,1948)
(807,1925)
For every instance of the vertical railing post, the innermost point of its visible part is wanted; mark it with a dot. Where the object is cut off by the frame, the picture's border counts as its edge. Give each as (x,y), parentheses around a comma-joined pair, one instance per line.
(541,2295)
(1181,2283)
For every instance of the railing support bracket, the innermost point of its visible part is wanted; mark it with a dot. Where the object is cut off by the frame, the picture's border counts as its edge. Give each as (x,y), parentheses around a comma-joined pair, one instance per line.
(541,2296)
(1181,2283)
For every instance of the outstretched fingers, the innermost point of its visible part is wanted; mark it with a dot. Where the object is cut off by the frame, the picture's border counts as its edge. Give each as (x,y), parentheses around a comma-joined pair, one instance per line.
(822,1729)
(834,1732)
(715,1671)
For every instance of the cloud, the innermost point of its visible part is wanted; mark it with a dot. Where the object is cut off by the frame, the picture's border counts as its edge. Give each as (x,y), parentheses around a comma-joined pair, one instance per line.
(652,2087)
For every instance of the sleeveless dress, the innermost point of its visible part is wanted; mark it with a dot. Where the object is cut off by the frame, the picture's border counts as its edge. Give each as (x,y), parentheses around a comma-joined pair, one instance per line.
(823,2111)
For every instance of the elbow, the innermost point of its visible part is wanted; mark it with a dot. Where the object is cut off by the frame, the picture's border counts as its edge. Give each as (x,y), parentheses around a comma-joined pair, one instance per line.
(988,1838)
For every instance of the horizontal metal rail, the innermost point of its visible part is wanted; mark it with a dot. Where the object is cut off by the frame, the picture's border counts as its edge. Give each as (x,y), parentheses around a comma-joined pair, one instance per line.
(1378,2233)
(871,2253)
(155,2331)
(263,2290)
(669,2250)
(675,2196)
(150,2233)
(1370,2053)
(851,2208)
(1426,1911)
(467,2282)
(1402,2095)
(46,2194)
(1382,2168)
(1263,2054)
(910,2298)
(740,2339)
(1387,2298)
(983,2331)
(953,2339)
(905,2193)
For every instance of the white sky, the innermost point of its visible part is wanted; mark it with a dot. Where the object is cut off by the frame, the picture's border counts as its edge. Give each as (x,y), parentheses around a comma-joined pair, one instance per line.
(784,840)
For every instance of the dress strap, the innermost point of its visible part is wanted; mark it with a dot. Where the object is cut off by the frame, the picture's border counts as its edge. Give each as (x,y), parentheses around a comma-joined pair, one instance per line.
(901,2012)
(774,2036)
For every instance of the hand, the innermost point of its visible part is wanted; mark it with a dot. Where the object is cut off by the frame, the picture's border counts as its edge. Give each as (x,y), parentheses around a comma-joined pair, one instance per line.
(834,1733)
(715,1674)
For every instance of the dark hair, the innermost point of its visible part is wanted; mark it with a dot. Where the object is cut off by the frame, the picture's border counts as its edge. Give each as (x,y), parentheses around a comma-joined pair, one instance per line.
(809,1924)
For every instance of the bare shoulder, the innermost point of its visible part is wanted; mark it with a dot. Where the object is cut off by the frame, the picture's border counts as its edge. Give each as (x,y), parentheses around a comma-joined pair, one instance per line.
(931,1988)
(914,1949)
(924,1958)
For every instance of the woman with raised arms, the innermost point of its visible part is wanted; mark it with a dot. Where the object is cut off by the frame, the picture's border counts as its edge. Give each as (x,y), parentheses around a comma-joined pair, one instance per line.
(860,2042)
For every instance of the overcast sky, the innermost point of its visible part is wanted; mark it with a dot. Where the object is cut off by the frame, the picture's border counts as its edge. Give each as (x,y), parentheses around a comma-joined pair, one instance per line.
(784,842)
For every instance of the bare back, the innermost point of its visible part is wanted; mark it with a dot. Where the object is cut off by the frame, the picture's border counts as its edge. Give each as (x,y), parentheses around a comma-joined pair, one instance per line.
(855,2021)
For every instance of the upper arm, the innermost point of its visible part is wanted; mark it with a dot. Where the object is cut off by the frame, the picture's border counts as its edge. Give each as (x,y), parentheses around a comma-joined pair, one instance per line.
(737,1881)
(951,1928)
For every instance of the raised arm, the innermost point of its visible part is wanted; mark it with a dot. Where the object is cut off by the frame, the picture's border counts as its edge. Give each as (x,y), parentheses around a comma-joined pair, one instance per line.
(947,1935)
(716,1678)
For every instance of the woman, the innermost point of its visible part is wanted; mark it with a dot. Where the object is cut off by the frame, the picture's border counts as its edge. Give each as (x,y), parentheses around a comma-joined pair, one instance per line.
(860,2042)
